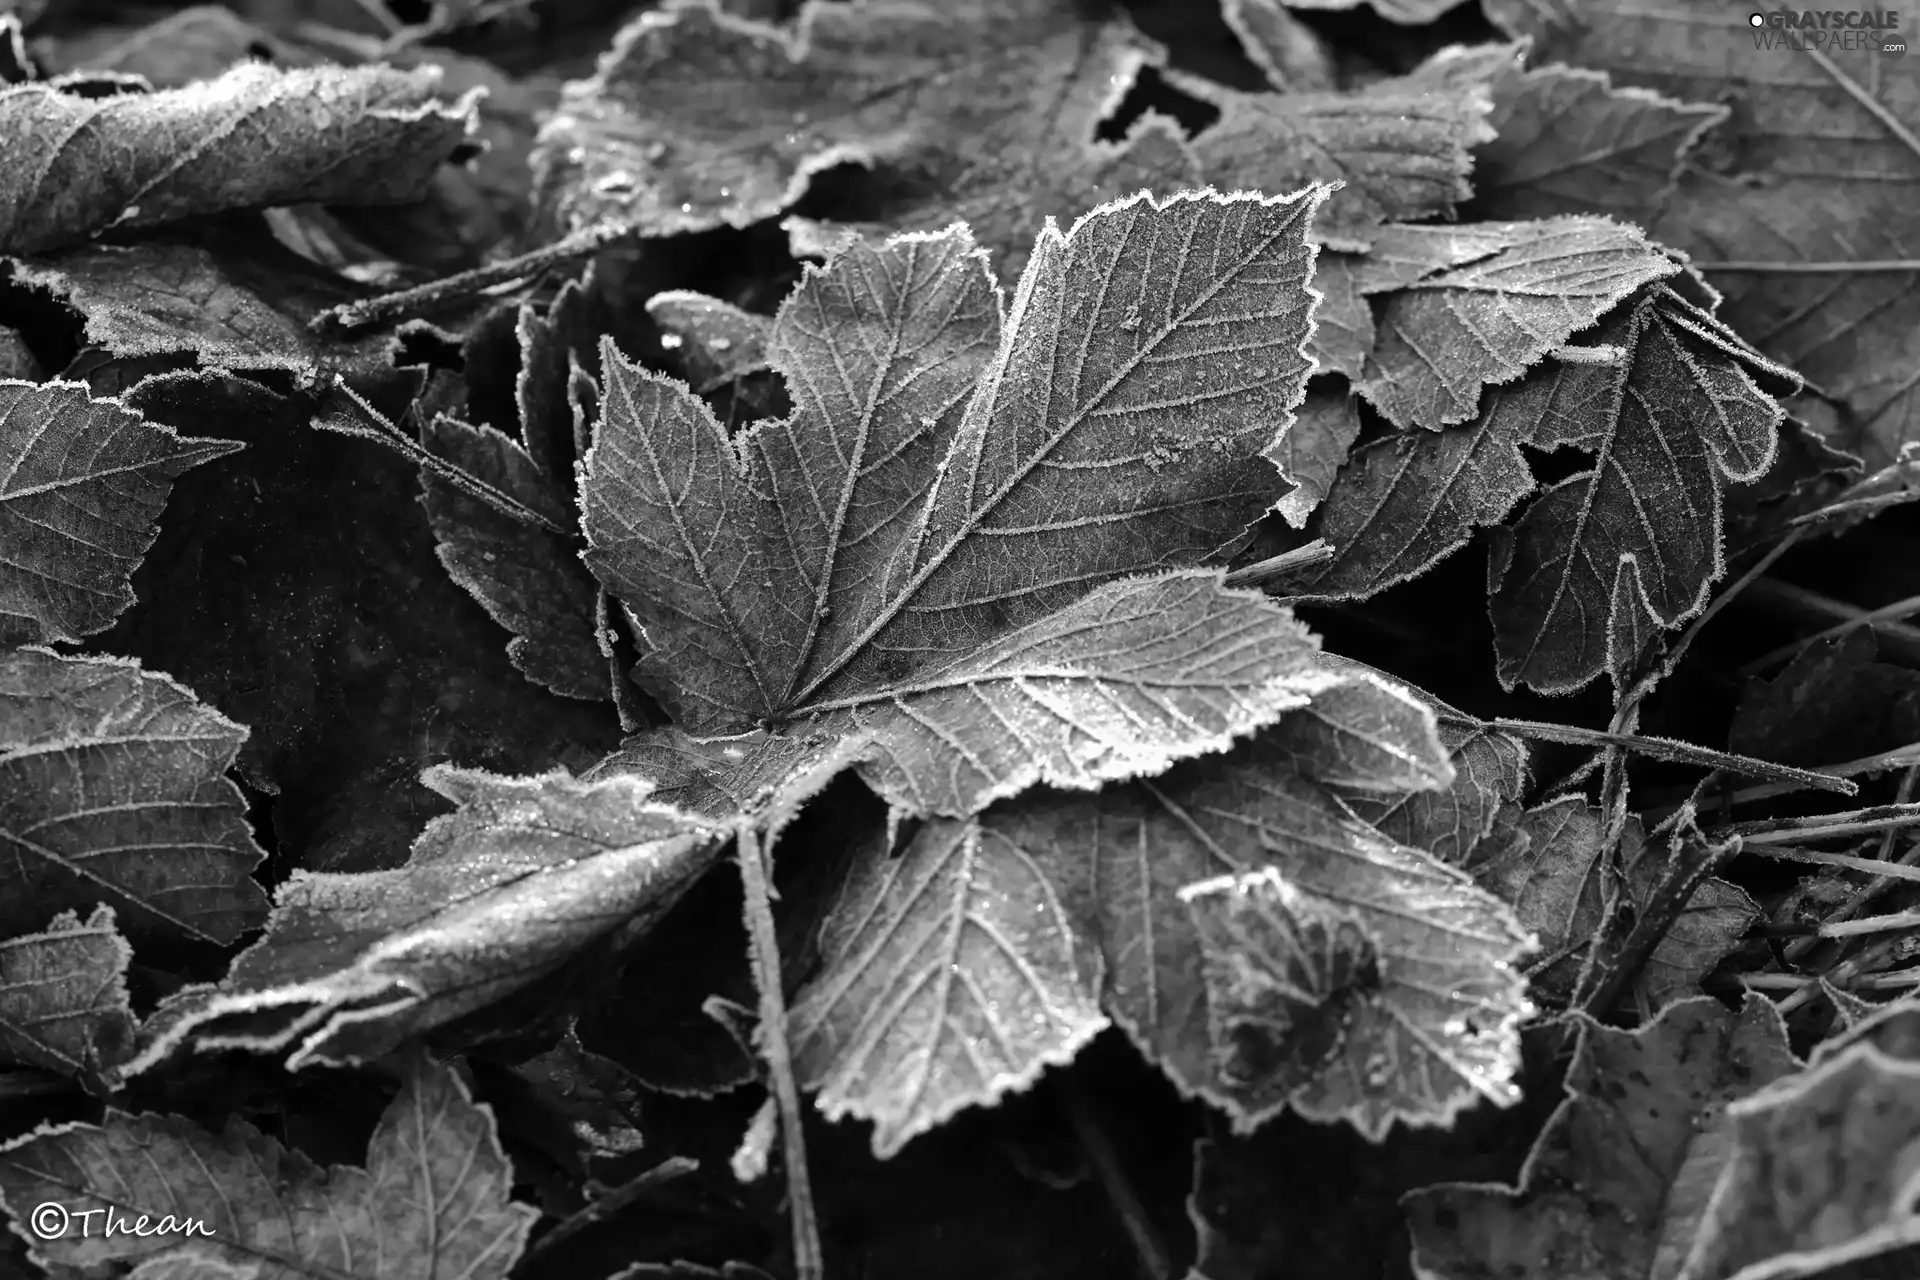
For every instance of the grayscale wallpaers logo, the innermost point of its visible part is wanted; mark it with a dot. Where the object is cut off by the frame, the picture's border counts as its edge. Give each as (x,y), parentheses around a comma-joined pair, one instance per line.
(1829,30)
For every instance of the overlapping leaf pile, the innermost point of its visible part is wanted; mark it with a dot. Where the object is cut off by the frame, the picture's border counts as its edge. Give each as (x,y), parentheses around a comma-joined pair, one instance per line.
(977,523)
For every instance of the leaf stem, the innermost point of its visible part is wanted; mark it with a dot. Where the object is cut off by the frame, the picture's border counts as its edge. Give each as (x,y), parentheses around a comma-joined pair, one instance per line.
(1319,551)
(1092,1135)
(808,1261)
(1676,751)
(367,423)
(435,293)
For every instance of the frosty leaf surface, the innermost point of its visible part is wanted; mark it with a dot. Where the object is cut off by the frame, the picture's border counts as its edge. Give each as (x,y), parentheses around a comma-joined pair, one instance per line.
(63,997)
(1283,971)
(1365,733)
(1615,1185)
(254,137)
(1635,542)
(1121,683)
(82,481)
(1820,1171)
(237,304)
(918,539)
(951,975)
(113,788)
(528,578)
(1567,140)
(1440,339)
(984,110)
(1402,147)
(432,1200)
(1406,501)
(1489,776)
(1815,164)
(1440,1029)
(524,876)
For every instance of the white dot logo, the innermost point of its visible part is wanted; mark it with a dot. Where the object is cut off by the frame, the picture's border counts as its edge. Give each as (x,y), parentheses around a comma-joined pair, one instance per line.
(1756,19)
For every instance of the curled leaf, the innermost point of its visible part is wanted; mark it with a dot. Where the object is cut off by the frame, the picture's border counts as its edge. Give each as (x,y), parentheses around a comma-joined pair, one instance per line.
(526,875)
(256,136)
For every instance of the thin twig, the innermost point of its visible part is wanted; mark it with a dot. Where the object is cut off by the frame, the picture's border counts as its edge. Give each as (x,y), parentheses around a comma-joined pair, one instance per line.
(1896,638)
(771,1035)
(1676,751)
(1319,551)
(1825,826)
(1759,267)
(1797,982)
(1873,888)
(1898,758)
(1847,506)
(1866,618)
(1871,924)
(391,306)
(1790,853)
(1147,1248)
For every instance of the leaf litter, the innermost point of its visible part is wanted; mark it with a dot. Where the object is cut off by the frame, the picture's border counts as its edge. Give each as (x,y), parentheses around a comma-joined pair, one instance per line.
(965,596)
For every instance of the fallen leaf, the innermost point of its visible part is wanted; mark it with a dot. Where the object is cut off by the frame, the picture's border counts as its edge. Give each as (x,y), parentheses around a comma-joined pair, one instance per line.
(1567,141)
(524,876)
(63,997)
(1402,147)
(985,112)
(113,788)
(1620,1178)
(1637,540)
(257,136)
(242,302)
(953,975)
(798,570)
(527,575)
(1835,701)
(1812,165)
(992,932)
(1820,1173)
(432,1200)
(1441,339)
(85,479)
